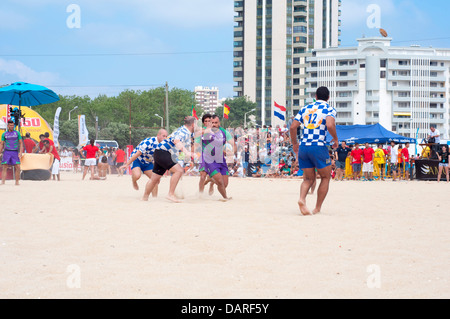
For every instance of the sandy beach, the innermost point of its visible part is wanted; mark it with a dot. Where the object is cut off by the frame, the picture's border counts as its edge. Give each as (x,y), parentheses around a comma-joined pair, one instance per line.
(97,239)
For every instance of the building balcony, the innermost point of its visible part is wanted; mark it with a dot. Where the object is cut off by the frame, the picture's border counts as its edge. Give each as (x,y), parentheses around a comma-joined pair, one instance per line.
(438,100)
(399,77)
(437,89)
(401,99)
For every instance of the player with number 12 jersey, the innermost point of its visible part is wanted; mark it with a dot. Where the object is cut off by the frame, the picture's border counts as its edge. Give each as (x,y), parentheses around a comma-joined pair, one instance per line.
(313,117)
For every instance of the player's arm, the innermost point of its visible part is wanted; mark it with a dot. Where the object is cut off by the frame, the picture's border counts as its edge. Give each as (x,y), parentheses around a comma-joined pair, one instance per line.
(293,134)
(131,159)
(331,126)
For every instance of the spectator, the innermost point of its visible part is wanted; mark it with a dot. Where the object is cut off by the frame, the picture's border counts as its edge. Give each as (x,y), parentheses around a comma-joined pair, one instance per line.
(356,159)
(342,153)
(380,160)
(92,152)
(120,160)
(75,159)
(393,160)
(368,155)
(56,158)
(28,143)
(443,157)
(405,160)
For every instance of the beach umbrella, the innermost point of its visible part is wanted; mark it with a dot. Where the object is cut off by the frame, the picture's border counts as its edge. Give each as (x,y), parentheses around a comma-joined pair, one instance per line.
(26,94)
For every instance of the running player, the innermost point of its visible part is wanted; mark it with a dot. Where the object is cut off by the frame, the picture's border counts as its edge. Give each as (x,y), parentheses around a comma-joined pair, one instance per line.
(214,155)
(163,160)
(317,118)
(206,121)
(141,159)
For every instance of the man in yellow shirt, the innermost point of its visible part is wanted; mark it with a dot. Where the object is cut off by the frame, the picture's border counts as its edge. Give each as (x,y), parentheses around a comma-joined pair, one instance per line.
(380,160)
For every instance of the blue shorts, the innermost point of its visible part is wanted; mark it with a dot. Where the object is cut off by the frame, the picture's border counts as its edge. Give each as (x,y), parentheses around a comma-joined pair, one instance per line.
(143,167)
(313,157)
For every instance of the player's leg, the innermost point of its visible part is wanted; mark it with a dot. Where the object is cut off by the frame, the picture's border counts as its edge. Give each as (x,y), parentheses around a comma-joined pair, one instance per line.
(177,173)
(309,176)
(322,191)
(149,174)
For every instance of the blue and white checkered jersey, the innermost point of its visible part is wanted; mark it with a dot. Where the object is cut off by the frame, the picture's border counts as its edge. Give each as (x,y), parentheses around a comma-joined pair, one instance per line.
(314,120)
(182,134)
(147,148)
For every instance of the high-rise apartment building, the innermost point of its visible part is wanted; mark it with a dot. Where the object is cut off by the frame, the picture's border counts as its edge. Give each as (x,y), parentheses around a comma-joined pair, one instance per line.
(207,98)
(271,42)
(405,89)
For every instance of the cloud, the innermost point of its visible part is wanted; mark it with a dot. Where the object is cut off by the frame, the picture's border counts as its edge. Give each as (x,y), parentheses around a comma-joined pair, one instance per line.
(18,71)
(12,20)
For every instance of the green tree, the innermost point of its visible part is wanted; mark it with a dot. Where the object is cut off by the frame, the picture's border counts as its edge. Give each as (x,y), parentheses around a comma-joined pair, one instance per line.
(238,107)
(116,114)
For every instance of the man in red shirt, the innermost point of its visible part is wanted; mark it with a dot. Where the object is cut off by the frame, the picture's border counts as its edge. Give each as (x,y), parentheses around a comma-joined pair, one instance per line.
(120,160)
(43,138)
(405,160)
(56,159)
(28,143)
(355,159)
(91,158)
(368,154)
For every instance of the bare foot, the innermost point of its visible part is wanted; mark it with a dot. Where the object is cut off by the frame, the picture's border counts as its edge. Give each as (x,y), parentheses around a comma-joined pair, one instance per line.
(135,185)
(145,198)
(225,199)
(211,189)
(316,211)
(173,198)
(303,208)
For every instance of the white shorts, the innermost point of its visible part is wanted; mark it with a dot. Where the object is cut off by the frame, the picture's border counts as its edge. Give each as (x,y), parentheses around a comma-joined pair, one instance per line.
(90,162)
(55,167)
(367,168)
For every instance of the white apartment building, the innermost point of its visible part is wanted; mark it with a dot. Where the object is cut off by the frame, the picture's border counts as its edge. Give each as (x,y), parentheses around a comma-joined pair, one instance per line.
(271,42)
(405,89)
(207,98)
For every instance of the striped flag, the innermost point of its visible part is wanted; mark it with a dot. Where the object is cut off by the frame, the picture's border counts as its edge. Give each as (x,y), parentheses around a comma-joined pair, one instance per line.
(226,111)
(279,111)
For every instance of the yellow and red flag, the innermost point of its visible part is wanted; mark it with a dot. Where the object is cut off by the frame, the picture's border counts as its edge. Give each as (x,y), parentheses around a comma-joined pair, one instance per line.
(226,111)
(194,113)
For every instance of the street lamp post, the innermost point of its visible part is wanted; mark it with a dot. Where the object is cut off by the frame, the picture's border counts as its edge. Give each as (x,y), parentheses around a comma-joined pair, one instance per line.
(245,117)
(72,110)
(162,120)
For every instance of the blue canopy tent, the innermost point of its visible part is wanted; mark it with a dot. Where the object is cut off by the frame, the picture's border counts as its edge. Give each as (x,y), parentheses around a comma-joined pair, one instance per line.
(372,134)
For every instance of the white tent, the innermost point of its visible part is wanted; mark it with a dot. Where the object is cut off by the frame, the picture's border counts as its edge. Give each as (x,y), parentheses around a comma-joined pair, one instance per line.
(3,125)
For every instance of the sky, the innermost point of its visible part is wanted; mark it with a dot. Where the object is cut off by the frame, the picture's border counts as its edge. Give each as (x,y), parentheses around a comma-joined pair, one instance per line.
(81,47)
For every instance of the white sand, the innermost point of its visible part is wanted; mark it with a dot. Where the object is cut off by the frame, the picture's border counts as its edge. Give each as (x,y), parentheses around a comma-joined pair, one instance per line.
(97,239)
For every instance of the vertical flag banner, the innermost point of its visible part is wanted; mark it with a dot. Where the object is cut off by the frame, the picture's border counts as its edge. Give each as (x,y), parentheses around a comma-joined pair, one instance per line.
(226,111)
(83,134)
(56,126)
(194,113)
(279,111)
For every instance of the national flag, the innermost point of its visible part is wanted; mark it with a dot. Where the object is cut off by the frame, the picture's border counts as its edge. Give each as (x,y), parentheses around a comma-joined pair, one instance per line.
(194,113)
(226,111)
(279,111)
